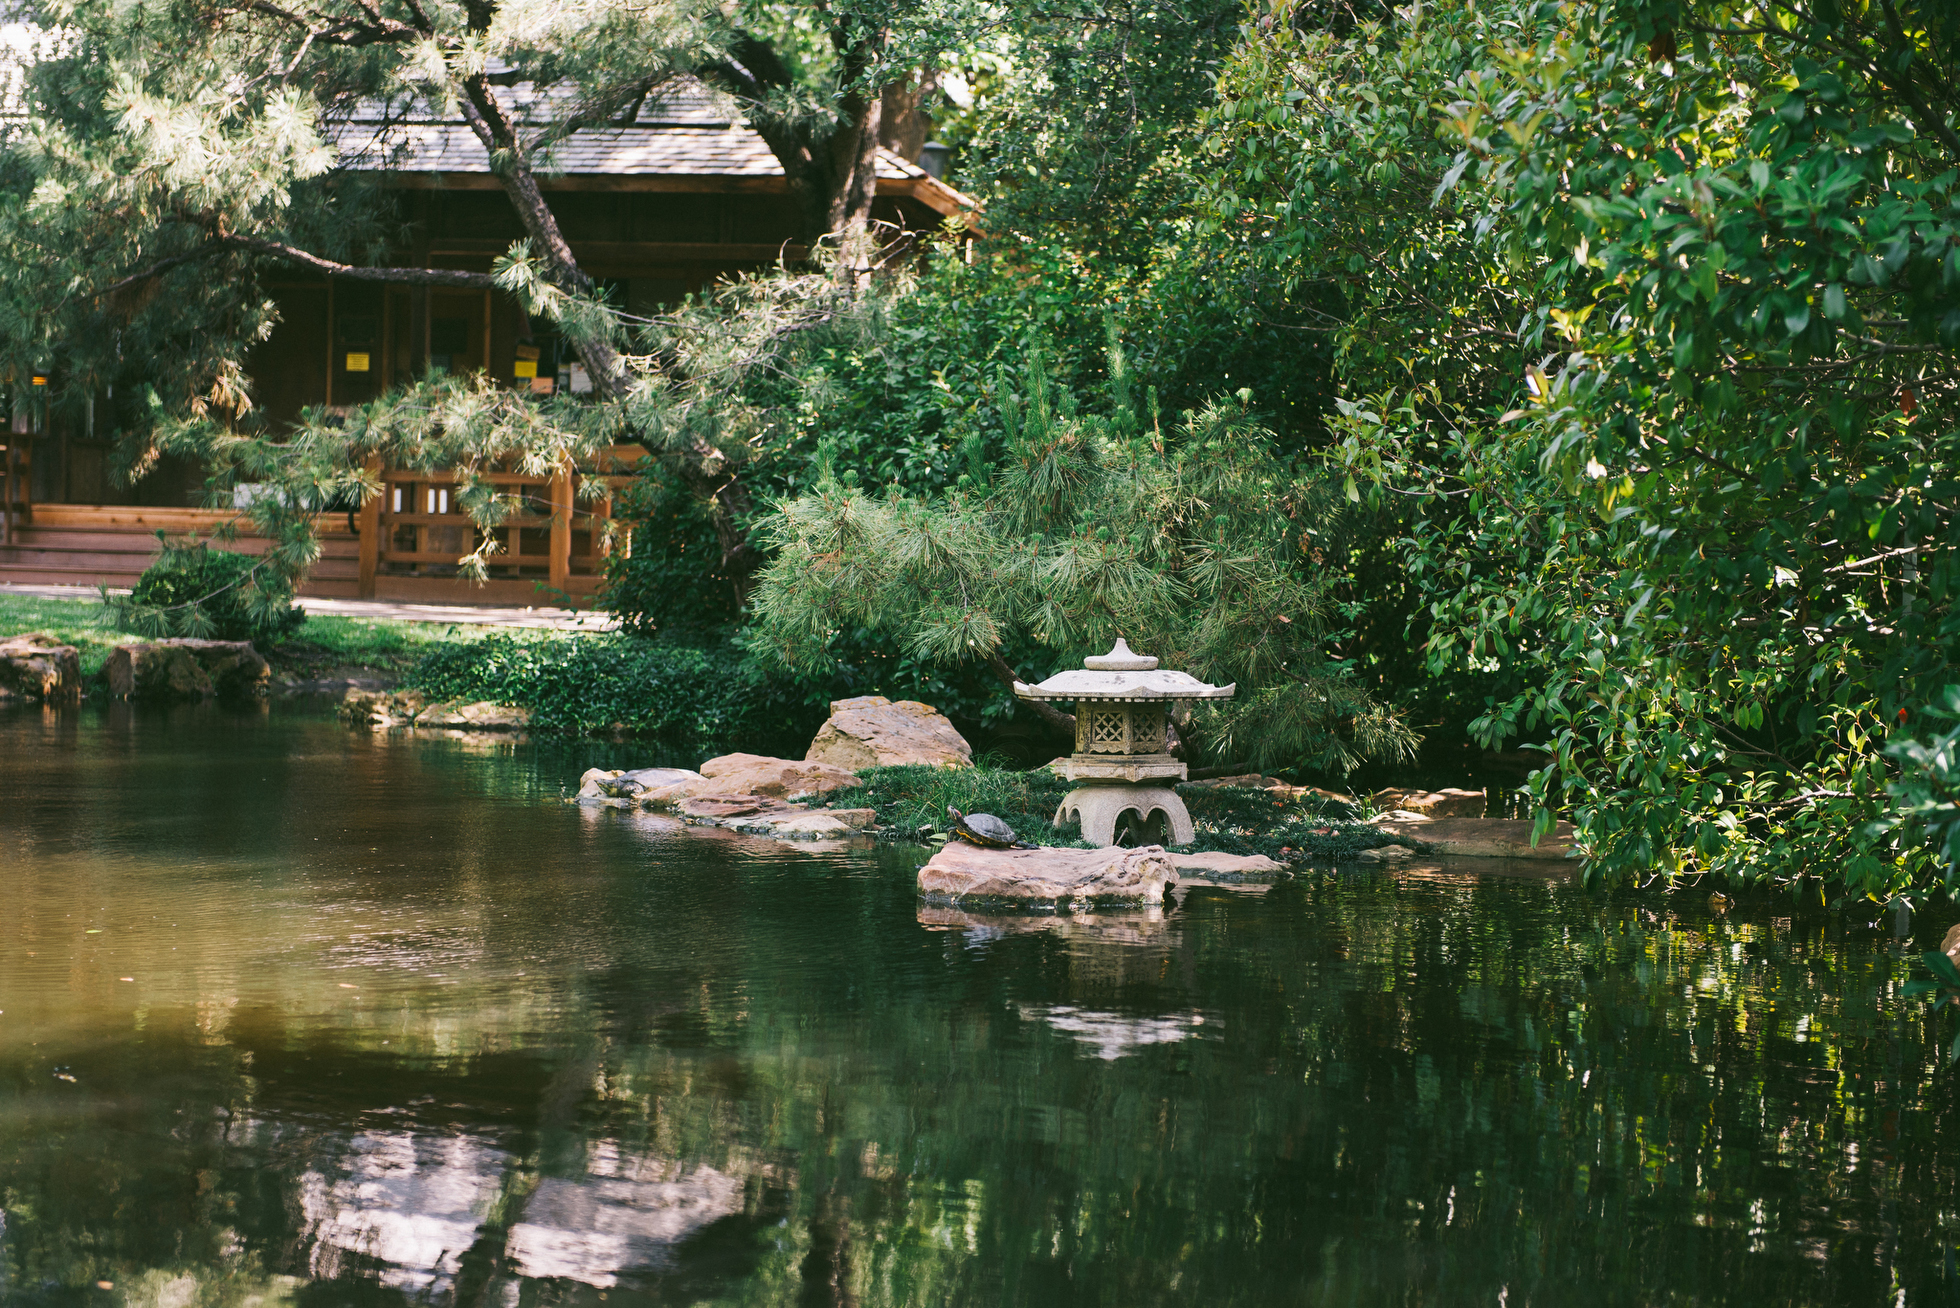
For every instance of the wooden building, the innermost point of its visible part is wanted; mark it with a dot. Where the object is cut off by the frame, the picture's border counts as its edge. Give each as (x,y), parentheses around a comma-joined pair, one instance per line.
(679,197)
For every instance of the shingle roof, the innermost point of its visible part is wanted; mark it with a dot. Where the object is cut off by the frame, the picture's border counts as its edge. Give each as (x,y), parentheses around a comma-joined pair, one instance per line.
(685,130)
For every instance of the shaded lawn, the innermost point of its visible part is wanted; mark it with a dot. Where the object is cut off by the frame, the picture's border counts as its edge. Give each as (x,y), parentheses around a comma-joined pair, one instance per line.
(380,645)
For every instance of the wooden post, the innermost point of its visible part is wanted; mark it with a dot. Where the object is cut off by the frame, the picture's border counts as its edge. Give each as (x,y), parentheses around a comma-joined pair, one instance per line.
(371,534)
(331,342)
(561,527)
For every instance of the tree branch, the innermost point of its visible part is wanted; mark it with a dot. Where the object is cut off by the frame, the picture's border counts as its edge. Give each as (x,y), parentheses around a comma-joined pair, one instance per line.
(467,281)
(1047,712)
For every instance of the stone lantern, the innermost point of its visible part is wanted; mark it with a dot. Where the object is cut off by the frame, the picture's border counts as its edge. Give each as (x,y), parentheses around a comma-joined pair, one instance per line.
(1121,761)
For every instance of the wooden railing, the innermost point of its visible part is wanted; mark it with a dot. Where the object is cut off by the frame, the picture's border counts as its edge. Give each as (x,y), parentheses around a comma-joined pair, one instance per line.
(400,545)
(416,527)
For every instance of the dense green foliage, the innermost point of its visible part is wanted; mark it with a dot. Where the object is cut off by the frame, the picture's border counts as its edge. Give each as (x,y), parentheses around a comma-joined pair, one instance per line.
(214,594)
(1657,353)
(1192,541)
(1575,376)
(688,700)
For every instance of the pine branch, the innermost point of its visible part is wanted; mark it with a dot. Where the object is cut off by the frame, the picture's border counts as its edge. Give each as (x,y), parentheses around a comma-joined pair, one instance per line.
(451,278)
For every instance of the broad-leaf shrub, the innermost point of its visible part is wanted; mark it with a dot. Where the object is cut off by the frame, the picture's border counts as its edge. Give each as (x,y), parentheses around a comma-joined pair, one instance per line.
(693,700)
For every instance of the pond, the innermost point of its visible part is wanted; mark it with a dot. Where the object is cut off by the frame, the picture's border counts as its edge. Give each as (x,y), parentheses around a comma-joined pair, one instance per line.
(293,1015)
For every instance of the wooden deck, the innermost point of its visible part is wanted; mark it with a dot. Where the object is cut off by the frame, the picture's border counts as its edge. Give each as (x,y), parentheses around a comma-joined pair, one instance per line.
(402,546)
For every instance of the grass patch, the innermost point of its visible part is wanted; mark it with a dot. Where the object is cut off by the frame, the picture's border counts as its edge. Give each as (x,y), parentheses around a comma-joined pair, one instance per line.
(912,801)
(84,623)
(375,644)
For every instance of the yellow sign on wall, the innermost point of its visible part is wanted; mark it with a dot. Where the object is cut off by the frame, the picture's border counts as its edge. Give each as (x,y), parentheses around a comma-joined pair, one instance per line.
(357,363)
(527,367)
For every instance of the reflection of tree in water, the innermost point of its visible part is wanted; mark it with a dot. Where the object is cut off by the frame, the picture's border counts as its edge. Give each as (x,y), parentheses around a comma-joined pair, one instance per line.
(1424,1090)
(407,1209)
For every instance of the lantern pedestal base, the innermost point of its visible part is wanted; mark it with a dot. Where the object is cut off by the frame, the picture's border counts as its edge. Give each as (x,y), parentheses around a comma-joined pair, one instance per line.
(1099,808)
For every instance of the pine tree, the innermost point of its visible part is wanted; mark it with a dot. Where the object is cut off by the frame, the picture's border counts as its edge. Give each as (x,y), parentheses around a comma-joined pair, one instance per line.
(1192,542)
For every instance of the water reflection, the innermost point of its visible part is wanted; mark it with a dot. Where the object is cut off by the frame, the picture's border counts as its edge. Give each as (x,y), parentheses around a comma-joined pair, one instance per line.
(401,1029)
(622,1217)
(404,1207)
(1113,1035)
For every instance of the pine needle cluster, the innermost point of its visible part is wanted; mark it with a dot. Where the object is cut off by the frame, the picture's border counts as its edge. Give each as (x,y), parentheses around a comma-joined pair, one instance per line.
(1190,540)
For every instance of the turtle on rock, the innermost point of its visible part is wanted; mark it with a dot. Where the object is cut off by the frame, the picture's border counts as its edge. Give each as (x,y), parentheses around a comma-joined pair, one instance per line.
(984,830)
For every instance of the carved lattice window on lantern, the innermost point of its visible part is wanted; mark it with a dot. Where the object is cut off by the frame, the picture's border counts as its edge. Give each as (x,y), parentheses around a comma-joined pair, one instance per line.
(1109,731)
(1147,729)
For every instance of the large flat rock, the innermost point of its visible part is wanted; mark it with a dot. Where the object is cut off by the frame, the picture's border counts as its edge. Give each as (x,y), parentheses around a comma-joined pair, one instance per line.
(873,732)
(1227,865)
(1478,837)
(387,709)
(1446,803)
(1114,874)
(777,778)
(480,715)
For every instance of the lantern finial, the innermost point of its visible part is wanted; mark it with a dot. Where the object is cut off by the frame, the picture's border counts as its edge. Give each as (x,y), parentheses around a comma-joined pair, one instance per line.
(1120,659)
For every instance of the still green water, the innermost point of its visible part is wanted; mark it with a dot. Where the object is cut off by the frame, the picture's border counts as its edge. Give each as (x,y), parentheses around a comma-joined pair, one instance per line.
(292,1015)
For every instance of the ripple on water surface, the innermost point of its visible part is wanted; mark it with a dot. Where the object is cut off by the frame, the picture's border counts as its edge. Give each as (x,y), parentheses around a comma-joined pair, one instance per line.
(320,1017)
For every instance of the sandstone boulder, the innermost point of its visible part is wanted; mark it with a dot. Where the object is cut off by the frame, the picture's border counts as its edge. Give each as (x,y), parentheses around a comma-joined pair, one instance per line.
(1385,854)
(873,732)
(385,709)
(777,778)
(180,669)
(759,815)
(620,786)
(1480,837)
(1448,802)
(1228,865)
(725,807)
(380,709)
(482,715)
(962,872)
(820,825)
(38,666)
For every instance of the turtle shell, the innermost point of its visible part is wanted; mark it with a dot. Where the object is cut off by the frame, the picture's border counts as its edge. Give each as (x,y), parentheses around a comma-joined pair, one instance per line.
(984,829)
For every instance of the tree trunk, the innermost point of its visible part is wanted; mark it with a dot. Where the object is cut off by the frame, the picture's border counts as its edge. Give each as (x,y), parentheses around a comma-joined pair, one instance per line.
(832,171)
(1047,712)
(854,166)
(903,126)
(495,130)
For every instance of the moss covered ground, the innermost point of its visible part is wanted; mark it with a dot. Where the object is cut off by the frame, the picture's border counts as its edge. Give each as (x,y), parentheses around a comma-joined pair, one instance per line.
(911,803)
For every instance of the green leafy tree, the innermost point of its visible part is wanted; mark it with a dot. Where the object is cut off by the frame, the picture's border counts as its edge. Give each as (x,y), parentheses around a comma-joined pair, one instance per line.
(1708,525)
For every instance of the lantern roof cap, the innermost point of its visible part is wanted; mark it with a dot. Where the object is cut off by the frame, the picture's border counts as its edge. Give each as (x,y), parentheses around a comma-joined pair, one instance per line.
(1123,674)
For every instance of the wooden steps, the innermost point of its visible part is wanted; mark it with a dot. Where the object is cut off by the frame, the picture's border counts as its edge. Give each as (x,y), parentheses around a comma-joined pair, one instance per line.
(95,545)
